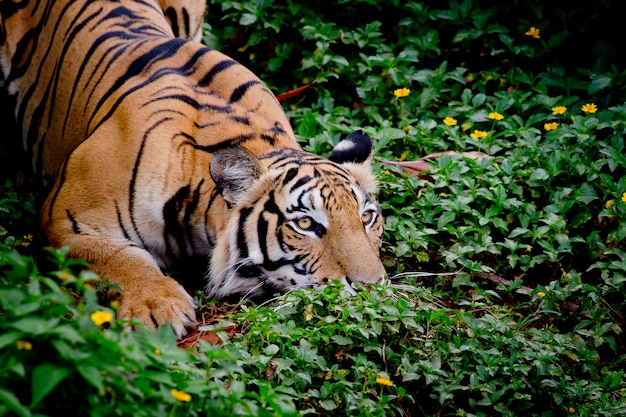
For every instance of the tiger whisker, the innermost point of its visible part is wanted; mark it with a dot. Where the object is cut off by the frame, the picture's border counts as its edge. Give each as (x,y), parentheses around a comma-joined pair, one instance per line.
(420,274)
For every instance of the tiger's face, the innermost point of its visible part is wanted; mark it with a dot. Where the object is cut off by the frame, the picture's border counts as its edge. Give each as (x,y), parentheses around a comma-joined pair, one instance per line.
(298,220)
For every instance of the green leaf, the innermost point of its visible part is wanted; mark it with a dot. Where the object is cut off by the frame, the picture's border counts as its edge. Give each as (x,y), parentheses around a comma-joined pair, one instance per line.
(342,340)
(247,19)
(445,218)
(599,82)
(328,405)
(45,378)
(9,338)
(91,375)
(35,325)
(13,403)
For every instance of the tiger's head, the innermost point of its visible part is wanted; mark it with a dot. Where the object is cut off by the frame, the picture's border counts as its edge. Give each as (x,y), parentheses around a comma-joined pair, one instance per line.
(297,220)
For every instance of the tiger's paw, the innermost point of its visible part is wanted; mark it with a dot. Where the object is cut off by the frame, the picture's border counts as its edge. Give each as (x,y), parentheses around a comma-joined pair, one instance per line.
(160,301)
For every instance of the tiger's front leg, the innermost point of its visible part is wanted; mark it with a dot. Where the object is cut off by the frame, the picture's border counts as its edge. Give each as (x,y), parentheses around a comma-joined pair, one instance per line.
(84,212)
(147,294)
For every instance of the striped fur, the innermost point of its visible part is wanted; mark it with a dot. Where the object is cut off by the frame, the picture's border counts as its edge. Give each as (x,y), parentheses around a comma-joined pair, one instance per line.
(163,152)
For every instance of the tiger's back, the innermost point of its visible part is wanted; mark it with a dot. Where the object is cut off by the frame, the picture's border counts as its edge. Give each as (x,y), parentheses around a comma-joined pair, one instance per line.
(112,59)
(154,142)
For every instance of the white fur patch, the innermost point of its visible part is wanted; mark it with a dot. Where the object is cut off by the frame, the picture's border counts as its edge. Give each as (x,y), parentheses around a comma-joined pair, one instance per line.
(344,145)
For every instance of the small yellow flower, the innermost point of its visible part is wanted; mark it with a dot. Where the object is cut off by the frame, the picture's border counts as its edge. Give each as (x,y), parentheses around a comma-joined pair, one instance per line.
(589,108)
(476,134)
(624,197)
(101,317)
(24,345)
(27,239)
(64,276)
(533,32)
(550,126)
(571,410)
(559,110)
(541,294)
(180,395)
(157,351)
(115,304)
(406,128)
(495,116)
(384,381)
(449,121)
(401,92)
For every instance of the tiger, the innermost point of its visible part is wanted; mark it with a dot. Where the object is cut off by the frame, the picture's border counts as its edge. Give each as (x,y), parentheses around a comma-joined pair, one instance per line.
(162,153)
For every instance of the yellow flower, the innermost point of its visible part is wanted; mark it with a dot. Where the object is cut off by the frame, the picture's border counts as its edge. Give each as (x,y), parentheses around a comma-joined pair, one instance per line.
(115,304)
(401,92)
(571,410)
(180,395)
(533,32)
(478,134)
(541,294)
(589,108)
(157,351)
(449,121)
(24,345)
(550,126)
(384,381)
(64,276)
(558,110)
(27,239)
(101,317)
(624,197)
(496,116)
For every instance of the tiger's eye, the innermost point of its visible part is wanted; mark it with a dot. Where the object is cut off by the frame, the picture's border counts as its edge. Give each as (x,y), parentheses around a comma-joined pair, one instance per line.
(304,223)
(367,217)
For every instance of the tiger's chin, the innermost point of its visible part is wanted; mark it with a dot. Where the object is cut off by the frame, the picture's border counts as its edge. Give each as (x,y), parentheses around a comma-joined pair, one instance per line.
(250,281)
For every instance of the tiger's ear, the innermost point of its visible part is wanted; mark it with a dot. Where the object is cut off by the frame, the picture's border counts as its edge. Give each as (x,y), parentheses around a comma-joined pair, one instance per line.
(355,154)
(234,170)
(355,148)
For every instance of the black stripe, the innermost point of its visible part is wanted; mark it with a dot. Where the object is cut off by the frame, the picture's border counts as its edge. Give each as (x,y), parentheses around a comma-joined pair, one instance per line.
(75,226)
(242,243)
(186,22)
(302,181)
(172,226)
(226,143)
(290,175)
(121,221)
(139,65)
(61,181)
(217,68)
(189,210)
(241,90)
(133,180)
(170,13)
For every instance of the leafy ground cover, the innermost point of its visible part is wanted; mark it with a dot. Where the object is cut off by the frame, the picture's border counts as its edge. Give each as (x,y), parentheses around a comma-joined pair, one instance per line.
(525,315)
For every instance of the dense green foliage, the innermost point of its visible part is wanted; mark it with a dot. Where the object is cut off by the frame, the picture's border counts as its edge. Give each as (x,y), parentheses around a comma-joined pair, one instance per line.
(526,317)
